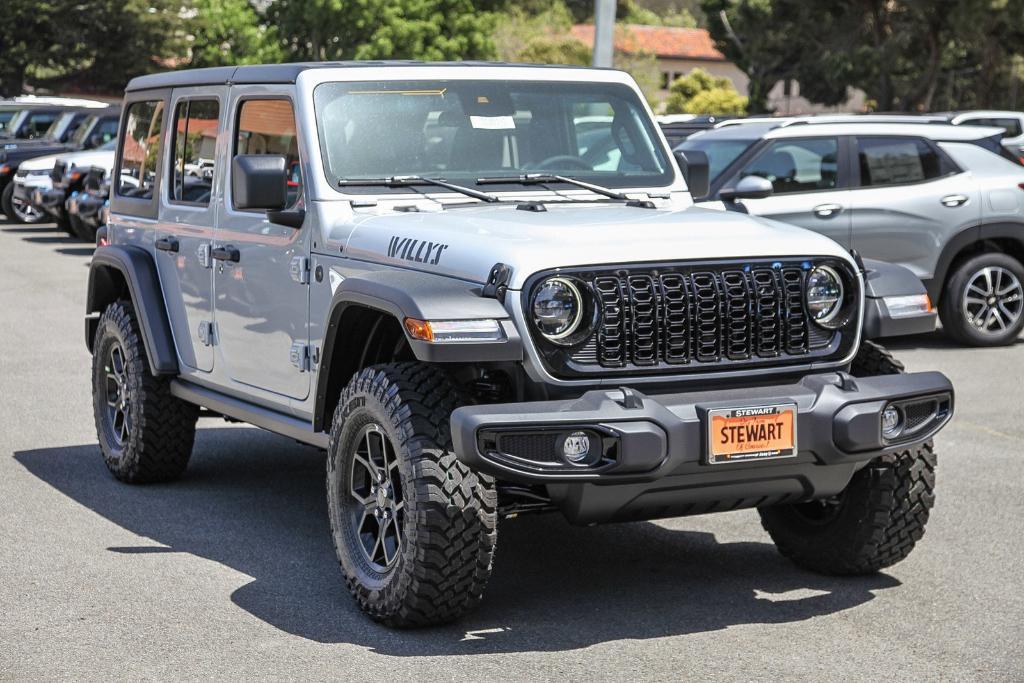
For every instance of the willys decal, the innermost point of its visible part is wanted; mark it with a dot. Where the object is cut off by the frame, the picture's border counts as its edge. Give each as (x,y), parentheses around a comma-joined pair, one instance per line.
(418,251)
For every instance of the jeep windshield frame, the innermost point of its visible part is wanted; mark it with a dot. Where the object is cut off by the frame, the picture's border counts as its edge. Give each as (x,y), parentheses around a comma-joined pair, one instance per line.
(464,129)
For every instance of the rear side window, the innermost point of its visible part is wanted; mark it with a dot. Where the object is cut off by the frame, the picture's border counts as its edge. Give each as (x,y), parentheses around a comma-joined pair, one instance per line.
(898,161)
(140,149)
(798,165)
(1011,126)
(195,144)
(268,127)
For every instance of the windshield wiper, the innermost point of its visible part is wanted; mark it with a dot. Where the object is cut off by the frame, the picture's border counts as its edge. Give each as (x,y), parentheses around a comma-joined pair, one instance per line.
(541,178)
(410,180)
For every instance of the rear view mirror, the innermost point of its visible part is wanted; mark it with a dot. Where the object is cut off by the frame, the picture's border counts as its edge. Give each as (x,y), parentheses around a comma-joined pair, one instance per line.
(259,181)
(695,169)
(749,187)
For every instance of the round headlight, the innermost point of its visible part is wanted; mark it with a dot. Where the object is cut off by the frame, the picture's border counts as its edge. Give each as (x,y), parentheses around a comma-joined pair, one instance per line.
(557,308)
(824,295)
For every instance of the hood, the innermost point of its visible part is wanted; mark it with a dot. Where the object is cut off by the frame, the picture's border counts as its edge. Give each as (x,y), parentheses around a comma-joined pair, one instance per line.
(466,242)
(40,163)
(93,157)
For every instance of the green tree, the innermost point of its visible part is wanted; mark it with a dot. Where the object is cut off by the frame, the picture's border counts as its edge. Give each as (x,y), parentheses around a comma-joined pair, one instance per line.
(698,92)
(395,29)
(539,36)
(227,32)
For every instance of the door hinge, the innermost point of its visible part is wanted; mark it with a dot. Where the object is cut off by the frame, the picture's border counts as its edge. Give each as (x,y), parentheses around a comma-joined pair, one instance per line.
(304,356)
(203,252)
(207,333)
(299,269)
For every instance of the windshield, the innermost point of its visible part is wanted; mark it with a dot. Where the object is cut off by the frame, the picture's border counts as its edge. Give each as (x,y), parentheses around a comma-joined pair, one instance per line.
(721,153)
(78,139)
(464,130)
(6,115)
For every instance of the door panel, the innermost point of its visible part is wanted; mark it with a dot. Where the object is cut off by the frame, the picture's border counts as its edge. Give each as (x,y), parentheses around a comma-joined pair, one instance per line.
(910,202)
(185,230)
(809,190)
(262,311)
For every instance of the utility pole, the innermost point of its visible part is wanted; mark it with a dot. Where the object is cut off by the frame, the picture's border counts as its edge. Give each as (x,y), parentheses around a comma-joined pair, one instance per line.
(604,32)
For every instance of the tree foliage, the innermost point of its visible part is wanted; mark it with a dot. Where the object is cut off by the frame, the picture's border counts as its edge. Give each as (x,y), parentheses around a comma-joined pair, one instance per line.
(226,32)
(698,92)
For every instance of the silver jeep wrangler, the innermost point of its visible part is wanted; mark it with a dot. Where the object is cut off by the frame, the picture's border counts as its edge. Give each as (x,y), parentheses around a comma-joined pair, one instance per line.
(484,291)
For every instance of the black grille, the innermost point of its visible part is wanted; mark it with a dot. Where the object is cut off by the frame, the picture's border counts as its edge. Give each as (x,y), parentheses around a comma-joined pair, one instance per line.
(533,447)
(653,318)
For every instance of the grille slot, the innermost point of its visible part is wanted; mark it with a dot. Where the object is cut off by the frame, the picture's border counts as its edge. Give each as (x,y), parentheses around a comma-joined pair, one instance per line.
(657,317)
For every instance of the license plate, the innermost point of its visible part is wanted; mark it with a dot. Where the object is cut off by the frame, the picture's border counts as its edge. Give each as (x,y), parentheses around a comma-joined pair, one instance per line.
(751,434)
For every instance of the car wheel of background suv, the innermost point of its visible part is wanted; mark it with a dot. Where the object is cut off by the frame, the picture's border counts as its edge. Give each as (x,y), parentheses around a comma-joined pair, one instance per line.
(983,303)
(16,210)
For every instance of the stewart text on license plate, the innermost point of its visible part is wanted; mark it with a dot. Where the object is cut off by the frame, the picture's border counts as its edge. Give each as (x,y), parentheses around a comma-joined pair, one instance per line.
(751,433)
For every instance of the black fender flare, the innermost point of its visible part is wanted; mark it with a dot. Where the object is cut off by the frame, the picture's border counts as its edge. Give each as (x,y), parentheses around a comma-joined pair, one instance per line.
(137,269)
(883,279)
(423,296)
(964,239)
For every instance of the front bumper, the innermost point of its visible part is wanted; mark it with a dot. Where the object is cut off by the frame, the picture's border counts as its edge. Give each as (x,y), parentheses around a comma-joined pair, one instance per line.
(653,447)
(51,201)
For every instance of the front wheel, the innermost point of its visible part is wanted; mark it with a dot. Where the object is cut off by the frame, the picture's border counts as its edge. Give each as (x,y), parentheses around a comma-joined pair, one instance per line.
(983,303)
(18,210)
(414,528)
(877,519)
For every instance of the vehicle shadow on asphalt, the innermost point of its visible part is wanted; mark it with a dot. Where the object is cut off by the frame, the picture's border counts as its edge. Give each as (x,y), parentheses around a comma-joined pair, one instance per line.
(936,340)
(254,502)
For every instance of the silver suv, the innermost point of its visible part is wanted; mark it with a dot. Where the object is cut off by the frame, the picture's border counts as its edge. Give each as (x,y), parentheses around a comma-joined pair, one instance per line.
(936,198)
(484,291)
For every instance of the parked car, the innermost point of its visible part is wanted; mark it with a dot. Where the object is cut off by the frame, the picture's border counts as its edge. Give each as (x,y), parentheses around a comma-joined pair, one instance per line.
(86,207)
(678,127)
(94,129)
(1012,123)
(44,184)
(932,197)
(483,324)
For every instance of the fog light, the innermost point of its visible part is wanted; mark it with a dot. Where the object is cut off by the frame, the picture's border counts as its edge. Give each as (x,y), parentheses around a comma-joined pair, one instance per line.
(891,422)
(576,447)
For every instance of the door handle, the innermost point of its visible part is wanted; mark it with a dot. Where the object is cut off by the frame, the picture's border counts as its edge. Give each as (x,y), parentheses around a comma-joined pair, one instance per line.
(167,244)
(827,210)
(226,253)
(954,200)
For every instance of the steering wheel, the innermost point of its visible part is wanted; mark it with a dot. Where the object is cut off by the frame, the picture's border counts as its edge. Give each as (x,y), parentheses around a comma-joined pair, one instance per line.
(561,159)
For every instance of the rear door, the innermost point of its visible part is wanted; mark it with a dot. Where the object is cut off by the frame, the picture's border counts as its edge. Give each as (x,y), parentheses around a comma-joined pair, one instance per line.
(808,185)
(261,285)
(188,217)
(909,199)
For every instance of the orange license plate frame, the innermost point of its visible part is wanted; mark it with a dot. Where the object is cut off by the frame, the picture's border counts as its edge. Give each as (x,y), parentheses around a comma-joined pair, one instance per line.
(751,434)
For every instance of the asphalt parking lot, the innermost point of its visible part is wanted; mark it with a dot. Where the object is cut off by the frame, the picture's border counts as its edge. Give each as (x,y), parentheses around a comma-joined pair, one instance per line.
(230,573)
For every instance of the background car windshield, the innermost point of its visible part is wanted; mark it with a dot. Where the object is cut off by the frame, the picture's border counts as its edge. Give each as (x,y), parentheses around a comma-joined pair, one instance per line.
(5,118)
(463,130)
(721,153)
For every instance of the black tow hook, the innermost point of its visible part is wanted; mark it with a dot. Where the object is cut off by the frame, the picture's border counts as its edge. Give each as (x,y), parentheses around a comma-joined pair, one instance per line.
(630,401)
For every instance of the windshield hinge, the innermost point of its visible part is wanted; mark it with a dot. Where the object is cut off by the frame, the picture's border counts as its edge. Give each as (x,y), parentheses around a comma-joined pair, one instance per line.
(497,282)
(298,268)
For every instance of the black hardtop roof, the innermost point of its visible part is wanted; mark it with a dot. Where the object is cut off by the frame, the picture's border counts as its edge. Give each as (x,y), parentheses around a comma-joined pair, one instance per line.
(284,73)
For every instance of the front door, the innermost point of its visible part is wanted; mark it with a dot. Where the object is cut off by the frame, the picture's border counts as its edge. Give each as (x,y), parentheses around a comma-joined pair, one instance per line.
(262,301)
(807,192)
(188,216)
(909,201)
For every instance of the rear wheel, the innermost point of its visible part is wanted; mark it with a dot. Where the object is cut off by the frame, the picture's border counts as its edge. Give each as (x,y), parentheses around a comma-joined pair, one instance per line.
(414,528)
(18,210)
(983,303)
(145,433)
(877,519)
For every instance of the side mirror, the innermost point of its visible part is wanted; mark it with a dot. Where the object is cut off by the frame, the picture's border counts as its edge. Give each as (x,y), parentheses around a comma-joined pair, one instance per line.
(696,170)
(259,181)
(749,187)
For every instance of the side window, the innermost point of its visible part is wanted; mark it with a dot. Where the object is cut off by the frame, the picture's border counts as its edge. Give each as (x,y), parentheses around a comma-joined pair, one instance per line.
(898,161)
(268,127)
(38,124)
(140,149)
(798,165)
(195,145)
(1011,126)
(106,129)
